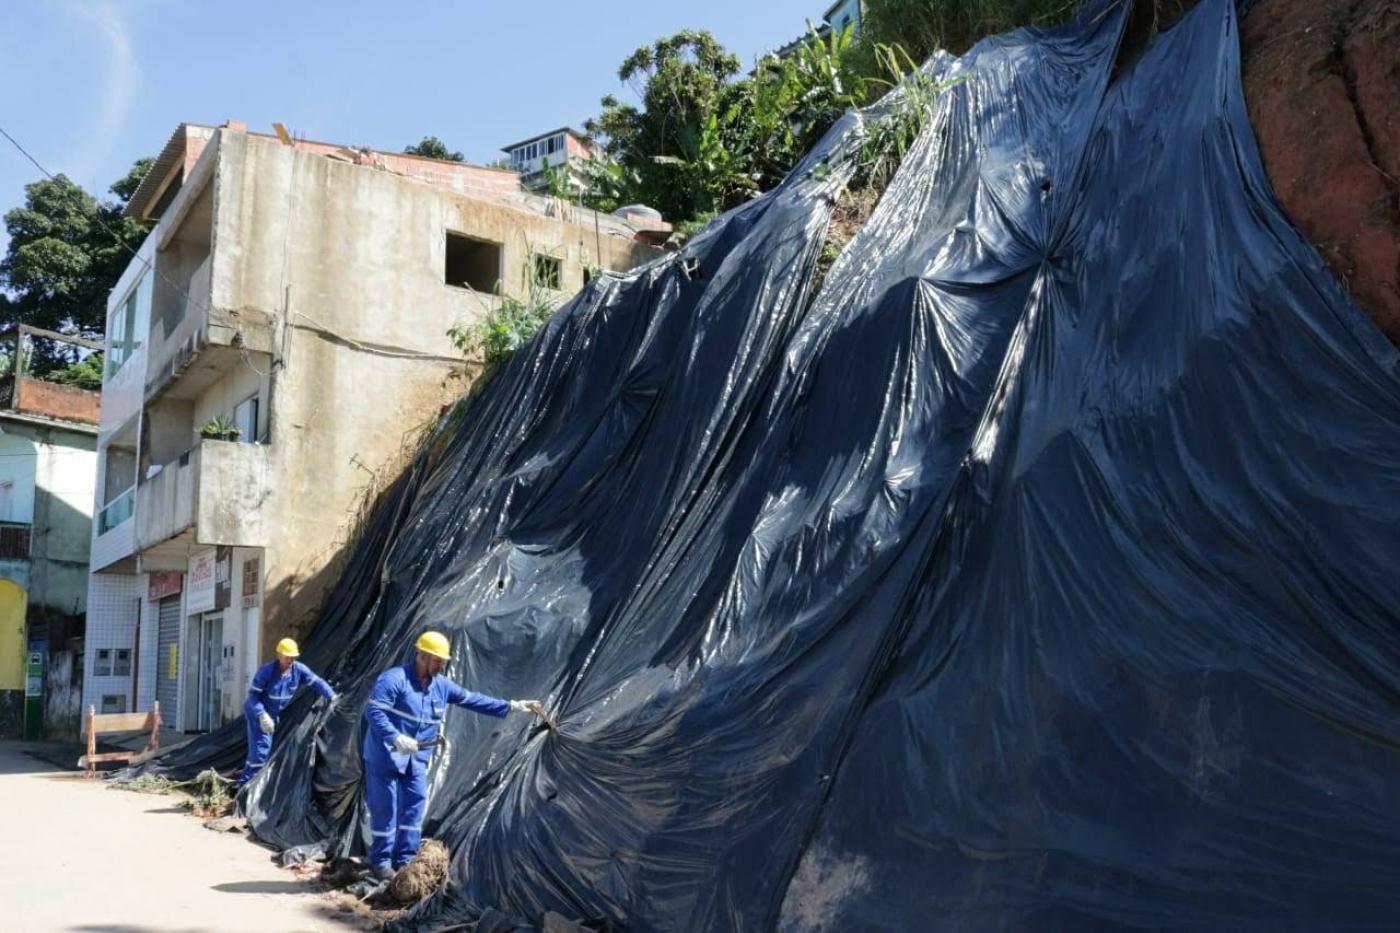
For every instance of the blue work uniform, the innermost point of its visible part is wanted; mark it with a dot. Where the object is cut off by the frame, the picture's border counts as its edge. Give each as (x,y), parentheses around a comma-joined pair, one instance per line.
(396,785)
(270,692)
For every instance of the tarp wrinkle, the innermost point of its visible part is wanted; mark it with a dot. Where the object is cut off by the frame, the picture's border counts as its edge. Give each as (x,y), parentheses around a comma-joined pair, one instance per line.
(1036,573)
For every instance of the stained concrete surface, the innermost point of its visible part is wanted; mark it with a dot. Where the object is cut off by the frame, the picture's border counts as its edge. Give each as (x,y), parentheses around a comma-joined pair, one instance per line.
(81,857)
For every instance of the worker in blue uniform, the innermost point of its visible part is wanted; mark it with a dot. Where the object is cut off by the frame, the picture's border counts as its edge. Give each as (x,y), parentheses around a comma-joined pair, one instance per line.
(273,687)
(403,723)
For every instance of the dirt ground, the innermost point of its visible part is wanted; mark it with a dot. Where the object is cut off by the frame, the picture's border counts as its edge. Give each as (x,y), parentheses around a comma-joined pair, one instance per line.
(1322,80)
(83,857)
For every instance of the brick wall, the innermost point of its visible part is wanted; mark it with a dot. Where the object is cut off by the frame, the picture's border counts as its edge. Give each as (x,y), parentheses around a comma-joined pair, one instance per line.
(575,147)
(55,400)
(476,181)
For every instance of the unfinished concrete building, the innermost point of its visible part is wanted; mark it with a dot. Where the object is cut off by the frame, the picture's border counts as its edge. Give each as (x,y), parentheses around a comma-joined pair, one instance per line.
(277,347)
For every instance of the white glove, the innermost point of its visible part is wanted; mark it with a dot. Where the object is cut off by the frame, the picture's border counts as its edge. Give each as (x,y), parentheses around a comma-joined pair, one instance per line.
(266,724)
(404,745)
(526,706)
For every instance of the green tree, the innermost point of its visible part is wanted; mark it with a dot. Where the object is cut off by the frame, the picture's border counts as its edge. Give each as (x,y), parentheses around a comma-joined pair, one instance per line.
(924,26)
(684,84)
(84,374)
(433,148)
(66,252)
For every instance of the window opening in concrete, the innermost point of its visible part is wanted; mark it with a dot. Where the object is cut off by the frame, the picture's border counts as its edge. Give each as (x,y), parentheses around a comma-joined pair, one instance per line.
(121,667)
(113,703)
(472,263)
(547,270)
(103,667)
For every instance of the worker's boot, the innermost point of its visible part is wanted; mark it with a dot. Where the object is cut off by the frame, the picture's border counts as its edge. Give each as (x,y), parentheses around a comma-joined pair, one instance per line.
(383,873)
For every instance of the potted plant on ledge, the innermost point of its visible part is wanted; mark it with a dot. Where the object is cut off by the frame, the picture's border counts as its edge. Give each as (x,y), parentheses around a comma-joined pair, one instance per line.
(220,429)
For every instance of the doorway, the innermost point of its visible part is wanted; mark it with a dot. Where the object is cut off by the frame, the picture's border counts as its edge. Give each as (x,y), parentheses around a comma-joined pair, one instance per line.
(208,631)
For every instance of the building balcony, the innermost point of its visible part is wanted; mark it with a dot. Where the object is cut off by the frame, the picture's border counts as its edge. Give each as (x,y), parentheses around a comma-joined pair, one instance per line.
(194,339)
(214,494)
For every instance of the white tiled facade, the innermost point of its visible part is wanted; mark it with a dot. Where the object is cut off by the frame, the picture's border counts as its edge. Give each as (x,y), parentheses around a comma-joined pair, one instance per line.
(113,601)
(114,545)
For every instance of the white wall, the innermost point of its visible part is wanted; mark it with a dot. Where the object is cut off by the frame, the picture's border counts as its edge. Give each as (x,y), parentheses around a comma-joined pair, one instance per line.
(123,392)
(18,465)
(111,623)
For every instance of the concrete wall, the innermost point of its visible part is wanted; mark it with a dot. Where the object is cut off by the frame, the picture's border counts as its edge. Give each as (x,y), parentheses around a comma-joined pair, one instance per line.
(17,474)
(165,504)
(221,397)
(63,506)
(54,491)
(63,694)
(318,284)
(236,504)
(168,431)
(355,257)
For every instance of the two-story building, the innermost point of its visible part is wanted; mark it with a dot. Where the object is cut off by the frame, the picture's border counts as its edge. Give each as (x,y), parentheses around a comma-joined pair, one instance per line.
(273,353)
(561,150)
(48,441)
(839,16)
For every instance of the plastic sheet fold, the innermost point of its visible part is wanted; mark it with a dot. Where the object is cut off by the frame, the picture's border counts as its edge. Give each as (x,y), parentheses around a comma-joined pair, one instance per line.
(1038,572)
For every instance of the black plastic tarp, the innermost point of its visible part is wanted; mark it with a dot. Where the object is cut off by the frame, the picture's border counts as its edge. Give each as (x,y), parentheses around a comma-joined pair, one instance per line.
(1039,572)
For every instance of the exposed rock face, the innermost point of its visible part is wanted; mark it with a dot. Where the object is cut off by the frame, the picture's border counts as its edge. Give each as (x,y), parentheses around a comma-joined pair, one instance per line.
(1322,80)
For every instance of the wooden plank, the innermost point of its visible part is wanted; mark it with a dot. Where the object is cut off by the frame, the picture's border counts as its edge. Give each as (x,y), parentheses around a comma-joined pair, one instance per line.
(64,338)
(107,756)
(121,722)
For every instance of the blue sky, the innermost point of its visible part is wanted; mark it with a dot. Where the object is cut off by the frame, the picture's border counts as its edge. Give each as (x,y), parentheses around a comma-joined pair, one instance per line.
(91,85)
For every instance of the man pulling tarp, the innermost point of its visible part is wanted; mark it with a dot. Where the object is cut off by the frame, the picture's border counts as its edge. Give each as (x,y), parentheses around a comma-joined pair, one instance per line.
(403,722)
(273,687)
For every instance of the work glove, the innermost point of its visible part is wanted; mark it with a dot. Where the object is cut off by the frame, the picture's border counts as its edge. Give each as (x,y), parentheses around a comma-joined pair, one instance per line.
(404,745)
(527,706)
(266,724)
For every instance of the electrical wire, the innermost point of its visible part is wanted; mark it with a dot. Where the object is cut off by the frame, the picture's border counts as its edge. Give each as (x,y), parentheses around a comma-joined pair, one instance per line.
(97,216)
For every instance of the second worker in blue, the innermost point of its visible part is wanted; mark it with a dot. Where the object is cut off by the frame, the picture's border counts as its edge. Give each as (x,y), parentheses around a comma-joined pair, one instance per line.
(274,684)
(403,722)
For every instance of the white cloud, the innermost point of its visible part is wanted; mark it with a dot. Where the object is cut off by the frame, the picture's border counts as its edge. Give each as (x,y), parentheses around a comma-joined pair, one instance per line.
(119,79)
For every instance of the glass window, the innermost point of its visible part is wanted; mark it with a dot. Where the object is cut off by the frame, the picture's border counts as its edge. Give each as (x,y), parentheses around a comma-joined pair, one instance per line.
(126,324)
(122,666)
(245,418)
(103,667)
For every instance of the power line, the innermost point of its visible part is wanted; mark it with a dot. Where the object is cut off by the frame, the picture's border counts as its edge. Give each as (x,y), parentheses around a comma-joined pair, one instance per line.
(97,216)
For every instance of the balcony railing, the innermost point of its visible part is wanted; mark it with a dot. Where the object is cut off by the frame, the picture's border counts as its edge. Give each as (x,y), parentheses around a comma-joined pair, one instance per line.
(218,489)
(116,511)
(14,541)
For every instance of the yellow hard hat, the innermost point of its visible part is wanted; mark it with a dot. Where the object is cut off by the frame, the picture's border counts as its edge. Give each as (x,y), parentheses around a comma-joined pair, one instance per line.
(435,643)
(288,648)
